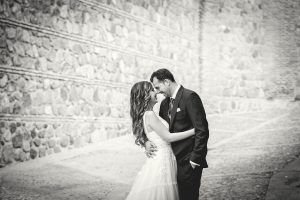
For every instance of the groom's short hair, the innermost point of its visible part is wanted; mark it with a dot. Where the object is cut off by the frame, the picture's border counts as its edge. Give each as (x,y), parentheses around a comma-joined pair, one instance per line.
(162,74)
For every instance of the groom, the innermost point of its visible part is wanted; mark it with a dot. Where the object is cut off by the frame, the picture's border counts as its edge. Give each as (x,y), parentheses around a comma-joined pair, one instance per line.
(183,110)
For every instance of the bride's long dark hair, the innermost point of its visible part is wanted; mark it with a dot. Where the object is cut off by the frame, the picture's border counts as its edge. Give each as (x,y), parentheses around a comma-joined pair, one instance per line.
(139,102)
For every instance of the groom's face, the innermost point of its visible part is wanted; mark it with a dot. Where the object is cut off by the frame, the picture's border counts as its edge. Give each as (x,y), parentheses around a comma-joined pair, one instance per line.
(162,87)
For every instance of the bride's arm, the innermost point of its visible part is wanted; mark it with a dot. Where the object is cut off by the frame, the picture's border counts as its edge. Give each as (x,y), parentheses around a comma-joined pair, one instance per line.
(154,122)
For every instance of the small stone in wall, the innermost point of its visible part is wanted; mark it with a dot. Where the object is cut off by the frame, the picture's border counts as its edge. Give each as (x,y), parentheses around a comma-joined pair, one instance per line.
(37,142)
(2,142)
(33,133)
(17,108)
(49,132)
(51,143)
(17,154)
(7,135)
(26,146)
(33,153)
(26,36)
(7,154)
(64,11)
(16,60)
(17,141)
(11,32)
(64,142)
(42,152)
(23,156)
(41,133)
(3,80)
(12,127)
(19,49)
(3,42)
(48,110)
(57,149)
(26,134)
(49,151)
(78,142)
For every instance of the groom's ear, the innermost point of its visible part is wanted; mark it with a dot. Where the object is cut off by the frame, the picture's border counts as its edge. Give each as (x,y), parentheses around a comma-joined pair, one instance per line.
(167,81)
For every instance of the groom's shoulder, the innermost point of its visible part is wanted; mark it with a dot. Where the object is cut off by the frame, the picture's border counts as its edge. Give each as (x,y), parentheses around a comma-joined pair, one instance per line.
(189,92)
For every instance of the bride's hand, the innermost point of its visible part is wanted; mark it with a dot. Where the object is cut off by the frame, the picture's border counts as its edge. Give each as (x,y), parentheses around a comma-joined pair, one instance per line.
(150,149)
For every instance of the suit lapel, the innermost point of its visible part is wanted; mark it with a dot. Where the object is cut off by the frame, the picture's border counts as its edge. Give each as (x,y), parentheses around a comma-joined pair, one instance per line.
(175,106)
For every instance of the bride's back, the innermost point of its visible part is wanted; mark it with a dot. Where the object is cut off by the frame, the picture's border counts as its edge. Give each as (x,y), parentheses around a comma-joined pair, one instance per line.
(154,137)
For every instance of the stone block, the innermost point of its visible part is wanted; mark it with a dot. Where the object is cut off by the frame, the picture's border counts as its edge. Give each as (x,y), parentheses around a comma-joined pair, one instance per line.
(17,141)
(49,151)
(19,49)
(7,153)
(33,153)
(297,89)
(16,60)
(17,154)
(12,127)
(22,156)
(7,135)
(46,43)
(48,110)
(51,143)
(64,11)
(26,36)
(33,133)
(17,108)
(64,141)
(4,43)
(35,52)
(11,32)
(42,64)
(3,80)
(42,151)
(41,133)
(26,134)
(73,94)
(78,142)
(64,94)
(26,146)
(57,149)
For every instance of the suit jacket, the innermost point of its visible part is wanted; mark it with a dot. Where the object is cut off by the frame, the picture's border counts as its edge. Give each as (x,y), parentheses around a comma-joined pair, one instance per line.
(187,113)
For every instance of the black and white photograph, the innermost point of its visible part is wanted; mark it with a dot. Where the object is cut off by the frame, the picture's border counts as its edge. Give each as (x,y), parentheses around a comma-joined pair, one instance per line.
(149,99)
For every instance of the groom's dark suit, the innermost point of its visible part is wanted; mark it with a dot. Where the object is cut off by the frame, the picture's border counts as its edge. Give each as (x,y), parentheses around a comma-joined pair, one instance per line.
(188,113)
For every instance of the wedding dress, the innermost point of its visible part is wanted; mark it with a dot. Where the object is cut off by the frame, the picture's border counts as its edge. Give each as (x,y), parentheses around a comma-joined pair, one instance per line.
(157,180)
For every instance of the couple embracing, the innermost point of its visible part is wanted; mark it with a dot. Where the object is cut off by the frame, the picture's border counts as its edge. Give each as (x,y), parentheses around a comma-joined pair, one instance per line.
(175,141)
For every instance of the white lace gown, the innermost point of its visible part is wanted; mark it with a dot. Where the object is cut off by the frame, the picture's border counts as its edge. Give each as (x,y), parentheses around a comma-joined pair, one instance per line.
(157,179)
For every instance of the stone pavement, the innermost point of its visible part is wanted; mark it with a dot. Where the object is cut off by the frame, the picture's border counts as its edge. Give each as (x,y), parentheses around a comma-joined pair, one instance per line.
(286,183)
(251,156)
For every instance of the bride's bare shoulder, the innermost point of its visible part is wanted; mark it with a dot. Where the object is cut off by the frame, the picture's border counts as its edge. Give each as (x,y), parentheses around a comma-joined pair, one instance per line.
(151,117)
(150,114)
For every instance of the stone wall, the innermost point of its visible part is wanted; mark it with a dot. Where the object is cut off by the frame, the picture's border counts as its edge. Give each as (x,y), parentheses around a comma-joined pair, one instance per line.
(66,67)
(250,53)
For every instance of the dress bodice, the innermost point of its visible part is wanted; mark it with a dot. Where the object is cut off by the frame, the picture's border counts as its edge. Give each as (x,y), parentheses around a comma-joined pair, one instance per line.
(154,137)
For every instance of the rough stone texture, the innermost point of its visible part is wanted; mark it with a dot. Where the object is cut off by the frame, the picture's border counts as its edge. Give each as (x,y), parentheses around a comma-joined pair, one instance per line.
(250,53)
(72,67)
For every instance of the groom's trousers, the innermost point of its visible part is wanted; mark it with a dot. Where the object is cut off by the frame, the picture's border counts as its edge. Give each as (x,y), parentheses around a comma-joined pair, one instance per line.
(189,181)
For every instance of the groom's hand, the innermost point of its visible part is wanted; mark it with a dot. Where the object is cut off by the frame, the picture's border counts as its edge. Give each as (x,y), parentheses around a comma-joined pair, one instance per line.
(150,149)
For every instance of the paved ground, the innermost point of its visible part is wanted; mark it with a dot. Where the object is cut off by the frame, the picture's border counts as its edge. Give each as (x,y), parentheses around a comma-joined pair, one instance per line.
(246,152)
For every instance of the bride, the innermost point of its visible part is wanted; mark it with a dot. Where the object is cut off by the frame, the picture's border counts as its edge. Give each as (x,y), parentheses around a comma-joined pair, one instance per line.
(157,178)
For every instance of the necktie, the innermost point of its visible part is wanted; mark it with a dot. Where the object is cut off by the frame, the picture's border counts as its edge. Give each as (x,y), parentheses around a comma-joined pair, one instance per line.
(171,103)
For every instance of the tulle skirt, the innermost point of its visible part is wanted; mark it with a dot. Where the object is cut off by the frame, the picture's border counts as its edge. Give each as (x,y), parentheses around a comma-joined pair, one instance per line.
(157,179)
